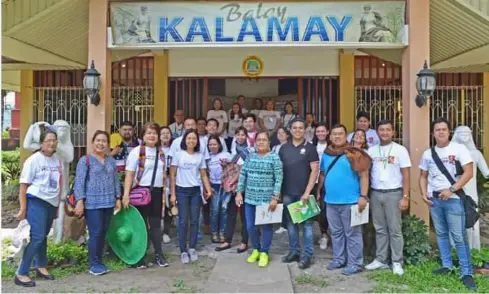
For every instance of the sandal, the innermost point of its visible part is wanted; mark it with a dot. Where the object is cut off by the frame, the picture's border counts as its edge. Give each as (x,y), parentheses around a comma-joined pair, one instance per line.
(222,248)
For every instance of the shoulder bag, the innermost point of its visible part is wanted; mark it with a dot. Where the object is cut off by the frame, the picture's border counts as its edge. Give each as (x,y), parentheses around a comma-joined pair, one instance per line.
(70,199)
(470,207)
(141,196)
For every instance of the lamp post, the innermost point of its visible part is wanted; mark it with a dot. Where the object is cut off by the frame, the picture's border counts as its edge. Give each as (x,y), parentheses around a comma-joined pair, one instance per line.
(425,85)
(91,84)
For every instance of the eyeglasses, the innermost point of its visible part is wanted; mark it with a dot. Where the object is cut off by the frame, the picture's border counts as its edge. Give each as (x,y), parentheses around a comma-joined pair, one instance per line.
(51,141)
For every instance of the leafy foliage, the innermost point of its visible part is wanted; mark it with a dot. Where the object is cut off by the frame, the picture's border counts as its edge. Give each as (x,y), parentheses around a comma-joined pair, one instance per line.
(10,165)
(483,191)
(417,245)
(479,257)
(10,191)
(68,252)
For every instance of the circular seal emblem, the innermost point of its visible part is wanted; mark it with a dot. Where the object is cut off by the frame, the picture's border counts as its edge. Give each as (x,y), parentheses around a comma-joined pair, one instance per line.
(252,66)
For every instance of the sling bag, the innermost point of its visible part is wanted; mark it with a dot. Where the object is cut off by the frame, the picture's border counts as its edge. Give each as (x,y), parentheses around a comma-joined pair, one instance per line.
(470,207)
(141,196)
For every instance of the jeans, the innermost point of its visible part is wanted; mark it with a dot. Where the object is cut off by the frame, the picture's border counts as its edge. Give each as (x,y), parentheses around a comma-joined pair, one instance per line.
(267,230)
(231,223)
(387,221)
(40,215)
(219,209)
(151,214)
(347,240)
(98,221)
(449,218)
(293,231)
(188,202)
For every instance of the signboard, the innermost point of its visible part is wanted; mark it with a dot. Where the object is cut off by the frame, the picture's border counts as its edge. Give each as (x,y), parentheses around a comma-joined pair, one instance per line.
(378,24)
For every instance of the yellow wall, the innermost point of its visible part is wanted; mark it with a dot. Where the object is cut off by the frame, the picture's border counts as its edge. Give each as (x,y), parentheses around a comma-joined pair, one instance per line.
(485,127)
(161,88)
(347,89)
(26,106)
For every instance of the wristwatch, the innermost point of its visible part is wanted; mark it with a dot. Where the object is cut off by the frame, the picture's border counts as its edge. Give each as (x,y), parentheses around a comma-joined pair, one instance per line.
(365,196)
(452,189)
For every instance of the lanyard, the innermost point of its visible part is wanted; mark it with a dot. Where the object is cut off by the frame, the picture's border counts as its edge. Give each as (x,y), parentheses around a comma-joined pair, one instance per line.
(385,158)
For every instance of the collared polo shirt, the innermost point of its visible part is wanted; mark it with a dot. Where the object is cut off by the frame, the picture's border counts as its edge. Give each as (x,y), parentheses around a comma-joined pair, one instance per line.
(296,162)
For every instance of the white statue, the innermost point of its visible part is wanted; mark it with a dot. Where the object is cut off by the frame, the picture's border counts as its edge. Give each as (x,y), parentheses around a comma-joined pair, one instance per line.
(463,135)
(65,152)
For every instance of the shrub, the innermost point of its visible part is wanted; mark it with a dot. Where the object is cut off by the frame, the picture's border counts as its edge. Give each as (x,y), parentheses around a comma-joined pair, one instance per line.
(10,191)
(66,253)
(10,165)
(483,191)
(479,257)
(417,246)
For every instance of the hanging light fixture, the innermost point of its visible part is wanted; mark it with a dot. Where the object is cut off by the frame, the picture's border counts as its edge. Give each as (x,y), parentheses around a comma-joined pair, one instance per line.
(91,84)
(425,85)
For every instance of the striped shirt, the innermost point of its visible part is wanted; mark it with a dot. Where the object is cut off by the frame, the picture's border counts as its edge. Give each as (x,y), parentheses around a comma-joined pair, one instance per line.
(261,178)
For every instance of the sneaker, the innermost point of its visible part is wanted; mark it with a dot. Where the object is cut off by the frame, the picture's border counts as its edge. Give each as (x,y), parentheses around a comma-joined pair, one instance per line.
(397,269)
(305,263)
(281,230)
(263,259)
(334,265)
(442,271)
(323,243)
(469,282)
(161,261)
(254,256)
(184,258)
(166,239)
(351,270)
(193,255)
(375,265)
(291,257)
(106,268)
(97,270)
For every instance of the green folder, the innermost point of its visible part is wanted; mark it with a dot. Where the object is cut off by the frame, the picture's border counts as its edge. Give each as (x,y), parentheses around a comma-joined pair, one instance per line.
(300,212)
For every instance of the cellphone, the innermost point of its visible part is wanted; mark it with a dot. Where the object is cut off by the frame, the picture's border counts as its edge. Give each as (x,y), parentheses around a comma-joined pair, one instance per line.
(436,194)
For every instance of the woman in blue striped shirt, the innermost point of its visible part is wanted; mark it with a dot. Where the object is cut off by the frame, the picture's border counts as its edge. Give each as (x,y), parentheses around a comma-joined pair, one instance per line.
(97,190)
(261,180)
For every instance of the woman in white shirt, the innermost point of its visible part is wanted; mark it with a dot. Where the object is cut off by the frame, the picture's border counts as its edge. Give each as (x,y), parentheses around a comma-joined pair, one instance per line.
(187,172)
(235,121)
(140,171)
(320,140)
(220,115)
(289,115)
(270,118)
(166,140)
(282,138)
(257,109)
(39,194)
(310,127)
(220,200)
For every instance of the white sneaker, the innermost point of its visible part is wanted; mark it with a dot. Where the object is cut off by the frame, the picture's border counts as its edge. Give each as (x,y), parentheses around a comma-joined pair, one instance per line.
(397,269)
(281,230)
(374,265)
(166,239)
(323,243)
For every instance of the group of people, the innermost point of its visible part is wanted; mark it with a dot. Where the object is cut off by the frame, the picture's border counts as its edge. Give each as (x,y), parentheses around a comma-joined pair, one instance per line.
(270,161)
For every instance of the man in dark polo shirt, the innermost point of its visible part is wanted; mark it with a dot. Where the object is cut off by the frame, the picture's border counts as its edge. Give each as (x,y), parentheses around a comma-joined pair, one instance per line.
(301,166)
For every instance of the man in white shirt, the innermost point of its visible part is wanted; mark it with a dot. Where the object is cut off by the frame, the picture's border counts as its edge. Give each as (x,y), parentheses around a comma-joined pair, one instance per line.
(446,208)
(363,123)
(389,197)
(176,128)
(212,127)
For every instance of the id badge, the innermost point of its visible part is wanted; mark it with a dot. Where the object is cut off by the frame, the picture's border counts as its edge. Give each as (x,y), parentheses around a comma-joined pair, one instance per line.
(384,175)
(53,182)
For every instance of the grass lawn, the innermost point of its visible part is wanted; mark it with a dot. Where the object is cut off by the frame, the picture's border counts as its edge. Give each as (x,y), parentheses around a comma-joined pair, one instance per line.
(418,279)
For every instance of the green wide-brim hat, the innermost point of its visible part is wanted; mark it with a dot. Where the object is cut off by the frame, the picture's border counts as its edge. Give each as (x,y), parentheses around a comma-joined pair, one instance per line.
(127,235)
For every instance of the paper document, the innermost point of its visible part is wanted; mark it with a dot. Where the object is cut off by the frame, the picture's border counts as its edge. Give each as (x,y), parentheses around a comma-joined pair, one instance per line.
(359,218)
(264,217)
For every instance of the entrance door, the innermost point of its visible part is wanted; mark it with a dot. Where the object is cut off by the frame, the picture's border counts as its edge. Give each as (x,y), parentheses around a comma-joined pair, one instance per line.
(187,94)
(319,96)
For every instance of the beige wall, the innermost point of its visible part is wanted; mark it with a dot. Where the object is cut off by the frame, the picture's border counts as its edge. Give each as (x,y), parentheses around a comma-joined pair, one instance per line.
(227,62)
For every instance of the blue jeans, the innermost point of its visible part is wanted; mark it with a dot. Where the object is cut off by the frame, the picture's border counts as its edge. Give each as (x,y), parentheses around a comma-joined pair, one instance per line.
(293,231)
(449,218)
(188,202)
(98,221)
(253,230)
(40,215)
(219,209)
(347,241)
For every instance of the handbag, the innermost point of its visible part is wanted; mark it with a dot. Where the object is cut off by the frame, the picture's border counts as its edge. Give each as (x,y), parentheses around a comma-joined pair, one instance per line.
(470,207)
(70,199)
(230,175)
(141,196)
